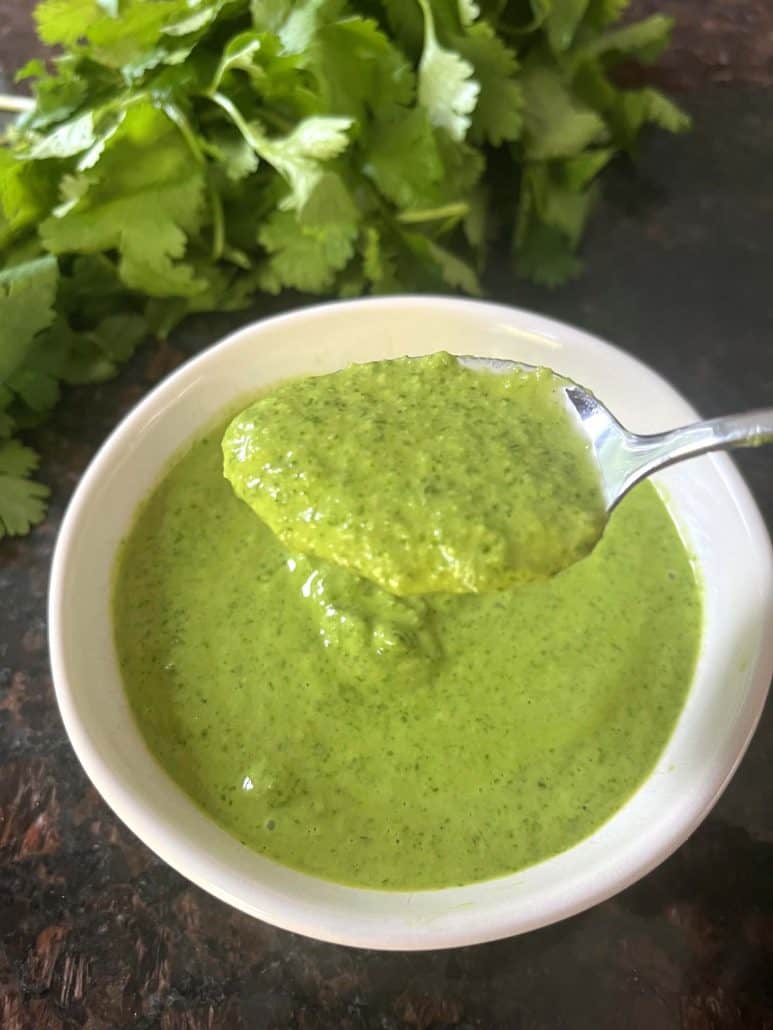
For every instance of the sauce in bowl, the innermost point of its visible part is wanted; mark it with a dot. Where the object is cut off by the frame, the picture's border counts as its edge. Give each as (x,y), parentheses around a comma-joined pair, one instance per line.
(397,742)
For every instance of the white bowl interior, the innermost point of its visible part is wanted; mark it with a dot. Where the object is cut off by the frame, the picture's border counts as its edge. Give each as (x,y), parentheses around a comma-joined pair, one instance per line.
(707,497)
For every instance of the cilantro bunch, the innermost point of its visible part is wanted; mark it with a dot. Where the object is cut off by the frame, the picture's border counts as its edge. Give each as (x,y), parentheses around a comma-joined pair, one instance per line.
(184,154)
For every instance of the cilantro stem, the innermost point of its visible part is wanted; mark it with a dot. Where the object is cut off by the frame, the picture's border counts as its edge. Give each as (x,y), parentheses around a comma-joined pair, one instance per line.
(14,104)
(236,117)
(218,221)
(432,214)
(173,112)
(275,120)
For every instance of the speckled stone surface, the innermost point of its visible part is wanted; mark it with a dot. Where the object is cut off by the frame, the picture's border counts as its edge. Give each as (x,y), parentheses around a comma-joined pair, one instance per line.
(96,932)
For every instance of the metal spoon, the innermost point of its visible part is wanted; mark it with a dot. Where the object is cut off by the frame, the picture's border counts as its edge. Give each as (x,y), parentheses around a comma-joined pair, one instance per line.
(625,458)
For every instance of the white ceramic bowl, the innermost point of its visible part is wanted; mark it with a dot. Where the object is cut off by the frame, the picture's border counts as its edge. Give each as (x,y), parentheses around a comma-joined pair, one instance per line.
(707,497)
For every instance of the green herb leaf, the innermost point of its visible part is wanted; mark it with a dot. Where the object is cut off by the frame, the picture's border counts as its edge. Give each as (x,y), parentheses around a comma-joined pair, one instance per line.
(181,155)
(65,21)
(358,71)
(304,257)
(562,21)
(148,218)
(404,159)
(27,294)
(447,88)
(644,40)
(497,115)
(22,501)
(28,190)
(556,123)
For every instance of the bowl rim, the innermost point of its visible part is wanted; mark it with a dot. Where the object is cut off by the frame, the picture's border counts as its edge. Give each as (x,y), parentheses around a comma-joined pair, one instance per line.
(124,801)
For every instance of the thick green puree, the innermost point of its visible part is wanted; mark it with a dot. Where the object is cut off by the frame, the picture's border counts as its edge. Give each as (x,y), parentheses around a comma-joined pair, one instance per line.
(421,475)
(400,743)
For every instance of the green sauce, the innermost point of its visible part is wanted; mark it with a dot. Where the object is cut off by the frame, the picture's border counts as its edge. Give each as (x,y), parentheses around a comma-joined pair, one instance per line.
(387,742)
(421,475)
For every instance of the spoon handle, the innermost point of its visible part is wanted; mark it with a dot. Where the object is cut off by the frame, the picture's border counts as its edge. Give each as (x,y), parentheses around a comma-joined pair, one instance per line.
(646,454)
(751,429)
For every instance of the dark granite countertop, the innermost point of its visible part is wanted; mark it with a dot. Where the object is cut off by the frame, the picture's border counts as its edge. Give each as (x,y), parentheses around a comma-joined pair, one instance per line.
(97,932)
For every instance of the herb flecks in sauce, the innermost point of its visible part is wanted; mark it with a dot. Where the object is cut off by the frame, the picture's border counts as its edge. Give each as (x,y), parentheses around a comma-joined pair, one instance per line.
(414,743)
(422,475)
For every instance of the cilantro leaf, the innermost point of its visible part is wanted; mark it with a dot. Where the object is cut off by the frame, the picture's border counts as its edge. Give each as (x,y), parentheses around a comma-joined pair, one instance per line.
(577,172)
(181,155)
(270,14)
(447,88)
(114,41)
(626,111)
(34,386)
(431,265)
(556,122)
(65,21)
(304,21)
(298,156)
(562,21)
(56,96)
(404,159)
(303,257)
(543,255)
(358,70)
(147,228)
(468,11)
(22,501)
(119,335)
(604,12)
(66,139)
(259,55)
(650,105)
(237,158)
(455,271)
(7,421)
(545,197)
(497,114)
(644,40)
(91,290)
(28,190)
(146,220)
(406,23)
(27,294)
(554,205)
